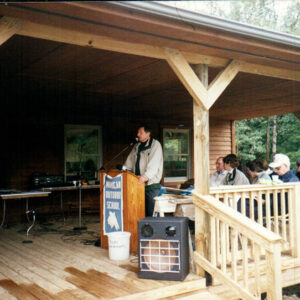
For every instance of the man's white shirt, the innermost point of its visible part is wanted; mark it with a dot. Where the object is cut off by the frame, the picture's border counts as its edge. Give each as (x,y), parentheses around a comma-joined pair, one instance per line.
(217,177)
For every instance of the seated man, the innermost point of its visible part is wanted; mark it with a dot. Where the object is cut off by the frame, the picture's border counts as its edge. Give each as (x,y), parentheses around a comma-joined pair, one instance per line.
(217,177)
(281,166)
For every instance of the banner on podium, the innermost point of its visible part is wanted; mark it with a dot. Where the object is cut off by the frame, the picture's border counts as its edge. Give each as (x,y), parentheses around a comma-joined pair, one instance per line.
(112,204)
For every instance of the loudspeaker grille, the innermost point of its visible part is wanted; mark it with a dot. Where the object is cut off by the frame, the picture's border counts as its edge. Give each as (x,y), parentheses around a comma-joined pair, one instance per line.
(160,255)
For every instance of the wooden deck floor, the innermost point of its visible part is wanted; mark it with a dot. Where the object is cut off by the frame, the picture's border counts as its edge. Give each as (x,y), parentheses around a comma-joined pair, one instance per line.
(63,264)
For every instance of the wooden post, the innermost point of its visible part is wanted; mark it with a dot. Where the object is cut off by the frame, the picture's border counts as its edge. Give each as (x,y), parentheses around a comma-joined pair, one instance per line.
(296,221)
(274,282)
(201,170)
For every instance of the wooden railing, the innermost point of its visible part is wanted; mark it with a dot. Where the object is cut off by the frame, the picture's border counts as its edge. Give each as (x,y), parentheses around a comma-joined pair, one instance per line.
(232,233)
(275,207)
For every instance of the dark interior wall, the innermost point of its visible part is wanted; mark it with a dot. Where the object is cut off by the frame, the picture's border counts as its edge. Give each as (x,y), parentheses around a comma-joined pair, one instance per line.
(32,140)
(32,134)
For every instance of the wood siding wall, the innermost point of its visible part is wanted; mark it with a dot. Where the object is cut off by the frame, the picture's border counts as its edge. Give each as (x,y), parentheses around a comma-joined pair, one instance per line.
(221,140)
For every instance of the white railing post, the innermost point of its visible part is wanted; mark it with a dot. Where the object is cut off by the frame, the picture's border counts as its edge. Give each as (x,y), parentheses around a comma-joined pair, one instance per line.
(274,284)
(240,272)
(296,221)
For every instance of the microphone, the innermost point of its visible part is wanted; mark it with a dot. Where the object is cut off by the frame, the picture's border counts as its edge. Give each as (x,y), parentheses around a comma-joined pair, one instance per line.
(135,140)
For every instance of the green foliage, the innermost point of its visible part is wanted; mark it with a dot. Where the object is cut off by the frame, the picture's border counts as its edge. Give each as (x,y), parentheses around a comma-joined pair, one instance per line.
(276,15)
(292,19)
(288,137)
(251,136)
(259,13)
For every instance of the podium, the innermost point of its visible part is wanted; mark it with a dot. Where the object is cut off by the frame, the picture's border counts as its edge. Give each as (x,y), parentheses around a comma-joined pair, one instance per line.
(133,205)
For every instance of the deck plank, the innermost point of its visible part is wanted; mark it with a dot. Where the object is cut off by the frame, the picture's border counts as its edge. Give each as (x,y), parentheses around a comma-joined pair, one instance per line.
(37,291)
(114,283)
(18,291)
(91,281)
(4,294)
(55,268)
(32,268)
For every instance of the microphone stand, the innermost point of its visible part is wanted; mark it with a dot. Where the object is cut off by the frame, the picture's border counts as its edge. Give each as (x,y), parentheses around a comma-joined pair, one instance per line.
(103,167)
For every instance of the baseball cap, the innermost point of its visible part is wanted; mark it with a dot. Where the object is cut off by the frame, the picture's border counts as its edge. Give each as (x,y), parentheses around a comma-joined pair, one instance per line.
(279,160)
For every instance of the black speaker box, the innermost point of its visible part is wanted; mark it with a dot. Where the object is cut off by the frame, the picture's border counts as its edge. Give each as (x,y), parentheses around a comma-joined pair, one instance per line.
(163,248)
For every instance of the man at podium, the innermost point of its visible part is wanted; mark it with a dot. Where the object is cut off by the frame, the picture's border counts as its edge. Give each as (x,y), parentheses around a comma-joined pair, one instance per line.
(146,161)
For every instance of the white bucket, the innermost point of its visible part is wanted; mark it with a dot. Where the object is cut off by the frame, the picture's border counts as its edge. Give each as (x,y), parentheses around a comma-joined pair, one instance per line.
(118,245)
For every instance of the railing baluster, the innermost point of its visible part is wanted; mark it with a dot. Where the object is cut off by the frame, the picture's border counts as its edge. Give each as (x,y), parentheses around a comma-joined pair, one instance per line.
(268,213)
(245,261)
(218,242)
(291,222)
(296,223)
(226,199)
(213,240)
(251,204)
(226,202)
(226,225)
(235,200)
(275,207)
(259,208)
(223,248)
(283,213)
(243,204)
(257,269)
(234,250)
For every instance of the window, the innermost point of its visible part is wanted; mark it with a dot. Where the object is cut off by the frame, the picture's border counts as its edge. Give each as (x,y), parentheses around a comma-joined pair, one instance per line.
(82,152)
(176,154)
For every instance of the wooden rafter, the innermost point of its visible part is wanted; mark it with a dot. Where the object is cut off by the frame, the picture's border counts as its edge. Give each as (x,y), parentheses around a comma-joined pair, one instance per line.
(271,71)
(74,37)
(187,76)
(8,27)
(206,97)
(222,80)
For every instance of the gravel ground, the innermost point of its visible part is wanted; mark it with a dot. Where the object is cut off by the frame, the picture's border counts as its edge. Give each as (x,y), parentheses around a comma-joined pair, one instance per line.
(291,292)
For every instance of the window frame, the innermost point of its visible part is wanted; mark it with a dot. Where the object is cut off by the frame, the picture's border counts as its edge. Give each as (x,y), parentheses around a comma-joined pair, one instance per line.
(188,155)
(100,150)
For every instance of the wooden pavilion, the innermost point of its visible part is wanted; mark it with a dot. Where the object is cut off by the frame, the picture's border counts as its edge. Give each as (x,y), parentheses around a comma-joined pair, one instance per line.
(117,64)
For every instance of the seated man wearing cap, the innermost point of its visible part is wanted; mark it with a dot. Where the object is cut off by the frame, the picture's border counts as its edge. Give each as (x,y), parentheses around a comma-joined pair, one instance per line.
(281,166)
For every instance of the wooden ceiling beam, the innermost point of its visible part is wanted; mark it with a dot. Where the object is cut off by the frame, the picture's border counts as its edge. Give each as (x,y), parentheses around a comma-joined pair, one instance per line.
(187,76)
(270,71)
(79,38)
(280,106)
(74,37)
(8,27)
(222,80)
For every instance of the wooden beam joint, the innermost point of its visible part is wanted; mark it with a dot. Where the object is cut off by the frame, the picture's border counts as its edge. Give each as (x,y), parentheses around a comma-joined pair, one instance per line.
(187,76)
(8,27)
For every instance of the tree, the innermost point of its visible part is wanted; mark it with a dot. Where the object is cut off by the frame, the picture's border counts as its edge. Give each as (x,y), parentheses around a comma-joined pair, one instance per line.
(252,136)
(274,139)
(268,140)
